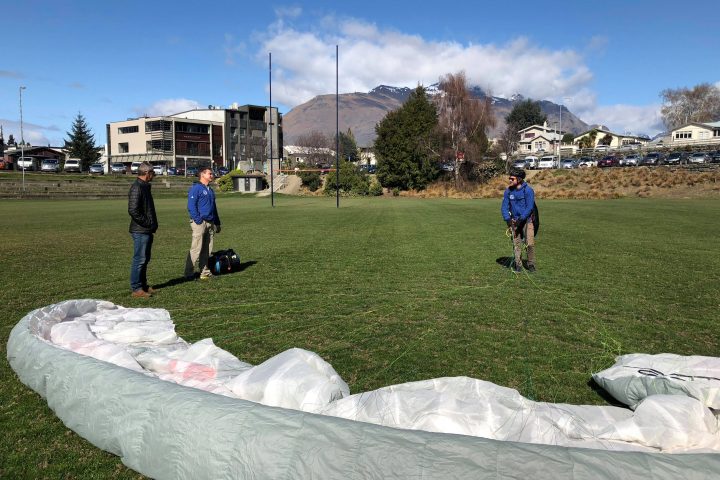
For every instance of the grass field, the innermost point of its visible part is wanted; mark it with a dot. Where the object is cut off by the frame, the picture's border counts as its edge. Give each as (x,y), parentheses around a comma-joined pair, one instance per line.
(387,290)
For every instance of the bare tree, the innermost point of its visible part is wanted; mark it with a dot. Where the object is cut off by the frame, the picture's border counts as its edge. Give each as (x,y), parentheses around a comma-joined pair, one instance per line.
(683,105)
(463,119)
(316,147)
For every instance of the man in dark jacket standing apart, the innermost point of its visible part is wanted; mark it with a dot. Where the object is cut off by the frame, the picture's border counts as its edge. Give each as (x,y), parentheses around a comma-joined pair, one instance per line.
(204,222)
(143,224)
(518,208)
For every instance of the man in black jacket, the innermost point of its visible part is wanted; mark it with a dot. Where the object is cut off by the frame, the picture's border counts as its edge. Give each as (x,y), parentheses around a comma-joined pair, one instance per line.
(143,224)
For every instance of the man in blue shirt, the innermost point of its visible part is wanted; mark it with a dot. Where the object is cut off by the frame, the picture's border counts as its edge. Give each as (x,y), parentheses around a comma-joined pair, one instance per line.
(518,211)
(204,222)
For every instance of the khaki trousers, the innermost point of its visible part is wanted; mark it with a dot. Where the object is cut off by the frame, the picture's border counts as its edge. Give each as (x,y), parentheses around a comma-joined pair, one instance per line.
(526,234)
(200,248)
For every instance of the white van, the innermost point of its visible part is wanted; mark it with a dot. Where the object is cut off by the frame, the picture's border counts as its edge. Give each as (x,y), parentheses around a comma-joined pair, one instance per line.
(26,163)
(548,161)
(72,165)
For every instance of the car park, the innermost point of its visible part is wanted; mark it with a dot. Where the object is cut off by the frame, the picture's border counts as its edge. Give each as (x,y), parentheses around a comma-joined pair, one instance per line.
(191,172)
(172,171)
(159,169)
(700,157)
(72,165)
(531,161)
(118,168)
(653,158)
(97,169)
(632,160)
(134,167)
(520,163)
(50,165)
(609,161)
(549,161)
(676,158)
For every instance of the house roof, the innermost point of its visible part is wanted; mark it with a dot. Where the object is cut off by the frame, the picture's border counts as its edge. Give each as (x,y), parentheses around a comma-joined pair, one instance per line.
(700,124)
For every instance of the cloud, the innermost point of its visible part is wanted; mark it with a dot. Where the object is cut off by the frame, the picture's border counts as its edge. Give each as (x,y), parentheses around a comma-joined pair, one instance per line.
(10,74)
(597,44)
(167,106)
(232,49)
(304,62)
(33,133)
(633,119)
(288,12)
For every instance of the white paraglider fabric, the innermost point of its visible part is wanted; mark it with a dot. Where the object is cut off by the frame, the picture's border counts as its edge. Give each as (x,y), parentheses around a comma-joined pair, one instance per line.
(144,340)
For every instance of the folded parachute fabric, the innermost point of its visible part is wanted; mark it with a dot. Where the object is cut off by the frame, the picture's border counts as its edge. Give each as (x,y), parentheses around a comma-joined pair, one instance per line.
(101,368)
(637,376)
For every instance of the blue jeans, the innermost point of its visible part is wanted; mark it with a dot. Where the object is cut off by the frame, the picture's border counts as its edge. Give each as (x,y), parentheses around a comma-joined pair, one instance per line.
(142,244)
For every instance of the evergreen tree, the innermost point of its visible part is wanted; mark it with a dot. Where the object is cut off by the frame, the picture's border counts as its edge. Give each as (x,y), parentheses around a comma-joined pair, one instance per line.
(348,148)
(81,143)
(407,143)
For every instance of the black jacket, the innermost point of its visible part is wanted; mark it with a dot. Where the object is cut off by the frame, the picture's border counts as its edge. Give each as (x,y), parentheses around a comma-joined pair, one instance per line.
(141,208)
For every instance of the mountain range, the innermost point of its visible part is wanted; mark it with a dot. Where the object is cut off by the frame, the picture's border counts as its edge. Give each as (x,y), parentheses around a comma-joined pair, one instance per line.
(360,112)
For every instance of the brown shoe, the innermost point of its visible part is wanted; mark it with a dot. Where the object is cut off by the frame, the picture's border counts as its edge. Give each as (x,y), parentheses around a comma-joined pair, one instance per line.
(149,290)
(140,294)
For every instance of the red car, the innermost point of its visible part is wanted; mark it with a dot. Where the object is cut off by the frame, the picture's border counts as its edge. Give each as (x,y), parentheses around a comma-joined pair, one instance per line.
(609,161)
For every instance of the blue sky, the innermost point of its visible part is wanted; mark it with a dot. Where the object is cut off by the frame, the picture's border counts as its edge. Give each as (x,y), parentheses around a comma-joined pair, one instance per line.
(607,61)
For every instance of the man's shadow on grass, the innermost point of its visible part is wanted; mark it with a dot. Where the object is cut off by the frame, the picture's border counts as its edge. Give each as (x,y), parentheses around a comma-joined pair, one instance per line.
(179,280)
(507,262)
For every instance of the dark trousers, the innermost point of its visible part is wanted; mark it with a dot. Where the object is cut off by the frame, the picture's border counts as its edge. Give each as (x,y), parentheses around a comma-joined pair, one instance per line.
(142,245)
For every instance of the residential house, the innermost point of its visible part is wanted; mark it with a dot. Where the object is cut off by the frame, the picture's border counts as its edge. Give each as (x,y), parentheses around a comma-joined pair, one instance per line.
(696,134)
(539,139)
(603,136)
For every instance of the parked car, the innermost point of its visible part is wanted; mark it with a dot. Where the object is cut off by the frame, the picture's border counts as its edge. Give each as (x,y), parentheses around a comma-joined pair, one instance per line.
(25,163)
(632,160)
(549,161)
(609,161)
(191,172)
(50,165)
(531,161)
(676,158)
(521,163)
(72,165)
(715,157)
(97,169)
(134,167)
(700,157)
(568,162)
(223,171)
(654,158)
(159,169)
(118,168)
(602,148)
(172,171)
(180,171)
(586,162)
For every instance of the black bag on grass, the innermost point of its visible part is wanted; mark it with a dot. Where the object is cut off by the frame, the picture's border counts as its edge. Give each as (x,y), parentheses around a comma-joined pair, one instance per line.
(224,261)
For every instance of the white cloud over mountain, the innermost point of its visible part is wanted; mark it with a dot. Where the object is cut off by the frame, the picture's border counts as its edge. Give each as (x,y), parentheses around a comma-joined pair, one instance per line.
(168,106)
(304,66)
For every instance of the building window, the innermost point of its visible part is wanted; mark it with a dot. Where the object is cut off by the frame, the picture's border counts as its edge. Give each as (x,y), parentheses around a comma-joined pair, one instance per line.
(158,126)
(123,148)
(159,145)
(529,134)
(191,128)
(716,132)
(704,134)
(679,135)
(539,145)
(131,129)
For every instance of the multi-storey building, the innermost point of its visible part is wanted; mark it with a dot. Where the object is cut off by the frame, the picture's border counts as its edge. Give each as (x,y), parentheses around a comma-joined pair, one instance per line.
(239,136)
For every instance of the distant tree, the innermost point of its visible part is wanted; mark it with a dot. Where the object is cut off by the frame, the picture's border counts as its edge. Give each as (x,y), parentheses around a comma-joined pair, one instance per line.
(81,143)
(11,141)
(568,138)
(606,140)
(406,145)
(353,181)
(348,147)
(316,148)
(683,105)
(463,121)
(524,114)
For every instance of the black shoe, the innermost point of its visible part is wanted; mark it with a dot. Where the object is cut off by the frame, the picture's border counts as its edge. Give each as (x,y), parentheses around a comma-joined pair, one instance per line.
(531,268)
(517,268)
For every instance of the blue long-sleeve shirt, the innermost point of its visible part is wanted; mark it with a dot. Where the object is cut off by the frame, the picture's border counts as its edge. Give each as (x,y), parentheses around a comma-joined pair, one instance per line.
(201,204)
(518,202)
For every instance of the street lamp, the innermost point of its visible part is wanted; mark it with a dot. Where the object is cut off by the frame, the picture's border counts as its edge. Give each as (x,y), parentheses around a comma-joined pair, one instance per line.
(22,141)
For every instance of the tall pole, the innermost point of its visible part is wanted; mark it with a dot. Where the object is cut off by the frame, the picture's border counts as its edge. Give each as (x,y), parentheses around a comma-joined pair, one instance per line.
(22,141)
(337,132)
(272,185)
